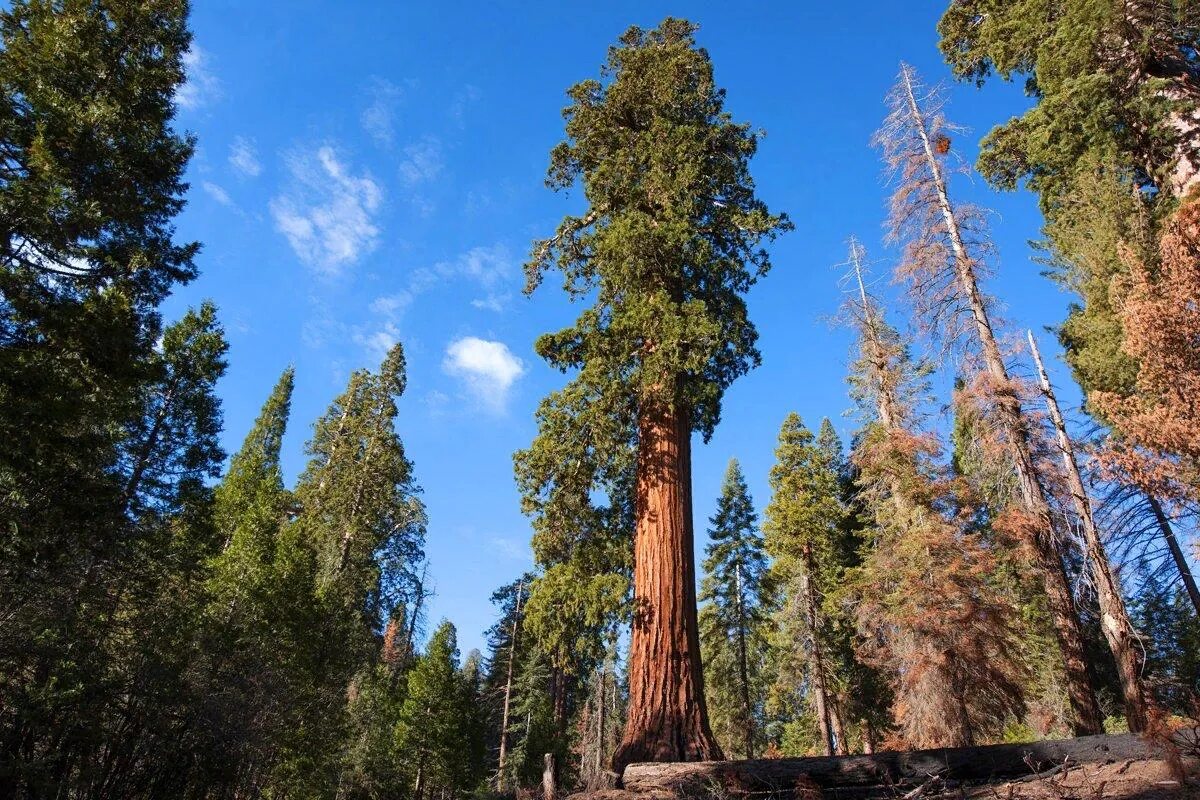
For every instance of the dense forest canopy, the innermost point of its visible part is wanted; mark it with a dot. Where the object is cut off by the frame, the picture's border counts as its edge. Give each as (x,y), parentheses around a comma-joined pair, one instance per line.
(977,561)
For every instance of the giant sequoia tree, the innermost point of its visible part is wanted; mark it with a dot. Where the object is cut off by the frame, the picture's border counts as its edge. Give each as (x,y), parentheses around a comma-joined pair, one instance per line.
(669,243)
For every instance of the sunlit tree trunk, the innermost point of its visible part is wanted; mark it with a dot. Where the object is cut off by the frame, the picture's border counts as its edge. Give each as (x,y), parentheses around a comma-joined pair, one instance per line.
(508,682)
(1048,562)
(816,655)
(667,720)
(1114,618)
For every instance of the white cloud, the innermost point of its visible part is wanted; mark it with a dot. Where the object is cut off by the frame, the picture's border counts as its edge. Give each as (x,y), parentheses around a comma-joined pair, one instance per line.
(487,266)
(217,193)
(488,368)
(378,118)
(201,86)
(378,342)
(493,302)
(422,161)
(328,217)
(243,157)
(463,98)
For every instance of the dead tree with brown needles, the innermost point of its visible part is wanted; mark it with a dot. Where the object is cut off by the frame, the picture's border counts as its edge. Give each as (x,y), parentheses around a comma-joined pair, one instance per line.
(944,247)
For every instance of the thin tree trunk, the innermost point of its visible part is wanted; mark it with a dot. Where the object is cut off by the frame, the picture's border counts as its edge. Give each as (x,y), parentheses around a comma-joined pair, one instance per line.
(416,614)
(743,666)
(1085,710)
(1114,618)
(817,659)
(147,449)
(668,719)
(598,765)
(512,651)
(1181,564)
(839,728)
(868,737)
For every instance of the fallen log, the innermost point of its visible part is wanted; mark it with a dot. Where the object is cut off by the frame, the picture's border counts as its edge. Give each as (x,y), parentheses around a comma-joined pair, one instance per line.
(914,767)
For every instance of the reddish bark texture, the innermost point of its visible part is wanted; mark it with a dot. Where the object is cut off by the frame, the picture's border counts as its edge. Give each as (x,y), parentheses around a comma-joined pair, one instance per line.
(668,719)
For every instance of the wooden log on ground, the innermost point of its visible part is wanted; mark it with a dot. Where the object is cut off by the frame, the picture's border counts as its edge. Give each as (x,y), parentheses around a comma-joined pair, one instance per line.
(914,767)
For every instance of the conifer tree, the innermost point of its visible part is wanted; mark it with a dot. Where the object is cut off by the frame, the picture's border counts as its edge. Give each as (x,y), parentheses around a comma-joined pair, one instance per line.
(350,557)
(92,180)
(247,605)
(1110,145)
(803,527)
(172,450)
(668,245)
(928,612)
(251,501)
(944,252)
(359,507)
(507,649)
(1112,80)
(1158,426)
(435,725)
(736,599)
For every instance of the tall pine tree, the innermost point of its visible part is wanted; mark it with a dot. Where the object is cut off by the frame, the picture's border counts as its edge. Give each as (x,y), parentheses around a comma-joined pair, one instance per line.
(736,598)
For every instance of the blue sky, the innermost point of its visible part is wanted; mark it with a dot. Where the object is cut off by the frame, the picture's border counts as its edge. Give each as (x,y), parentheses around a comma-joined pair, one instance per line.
(372,171)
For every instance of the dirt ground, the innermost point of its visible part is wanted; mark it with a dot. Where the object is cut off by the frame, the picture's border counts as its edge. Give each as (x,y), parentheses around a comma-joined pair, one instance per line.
(1128,780)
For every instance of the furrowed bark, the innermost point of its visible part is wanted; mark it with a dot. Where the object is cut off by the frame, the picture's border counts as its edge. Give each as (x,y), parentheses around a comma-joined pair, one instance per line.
(1087,718)
(1114,618)
(668,719)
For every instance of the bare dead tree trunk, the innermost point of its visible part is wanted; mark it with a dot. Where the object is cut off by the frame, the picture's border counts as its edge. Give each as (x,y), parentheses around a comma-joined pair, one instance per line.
(817,657)
(1114,618)
(1181,564)
(508,681)
(549,778)
(668,719)
(1086,711)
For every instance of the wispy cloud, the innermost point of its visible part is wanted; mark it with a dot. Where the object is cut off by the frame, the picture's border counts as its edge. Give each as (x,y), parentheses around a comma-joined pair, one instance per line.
(328,216)
(379,117)
(378,342)
(487,368)
(422,161)
(243,157)
(217,193)
(201,86)
(463,99)
(513,551)
(486,266)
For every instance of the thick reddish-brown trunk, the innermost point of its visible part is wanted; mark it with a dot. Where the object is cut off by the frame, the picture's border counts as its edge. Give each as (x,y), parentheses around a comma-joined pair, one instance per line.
(668,719)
